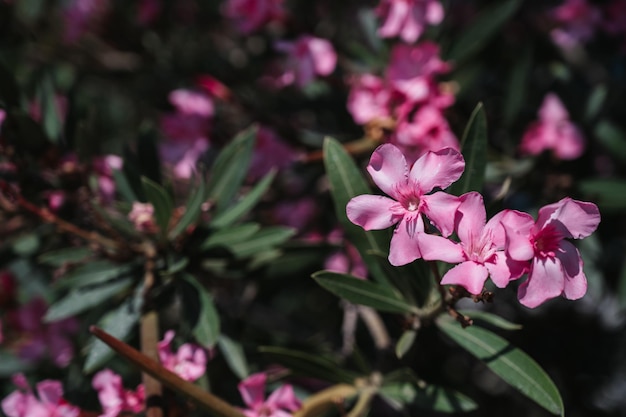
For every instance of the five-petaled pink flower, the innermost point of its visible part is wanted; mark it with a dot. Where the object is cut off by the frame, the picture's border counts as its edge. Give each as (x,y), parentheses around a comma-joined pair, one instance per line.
(49,401)
(480,252)
(279,404)
(307,57)
(408,188)
(189,362)
(554,131)
(114,399)
(556,266)
(408,18)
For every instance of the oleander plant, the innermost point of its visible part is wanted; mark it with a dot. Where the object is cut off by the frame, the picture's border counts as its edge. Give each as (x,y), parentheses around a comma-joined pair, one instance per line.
(275,208)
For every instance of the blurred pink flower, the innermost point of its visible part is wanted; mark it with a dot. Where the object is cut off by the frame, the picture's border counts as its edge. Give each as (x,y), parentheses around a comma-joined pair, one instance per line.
(408,18)
(556,267)
(3,115)
(369,99)
(578,21)
(41,339)
(8,289)
(553,131)
(427,131)
(80,16)
(269,152)
(104,166)
(49,401)
(408,186)
(296,213)
(148,11)
(250,15)
(479,254)
(142,217)
(114,399)
(189,362)
(412,70)
(347,261)
(278,404)
(186,131)
(307,57)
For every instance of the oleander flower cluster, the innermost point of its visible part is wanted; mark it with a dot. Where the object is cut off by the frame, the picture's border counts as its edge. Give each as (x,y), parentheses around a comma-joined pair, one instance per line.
(502,248)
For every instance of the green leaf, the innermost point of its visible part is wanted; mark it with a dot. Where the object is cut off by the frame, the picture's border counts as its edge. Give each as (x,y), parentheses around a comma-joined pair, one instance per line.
(93,273)
(595,101)
(61,257)
(483,28)
(612,137)
(51,114)
(160,200)
(405,342)
(192,210)
(492,319)
(240,209)
(308,364)
(608,194)
(508,362)
(263,240)
(360,291)
(84,298)
(234,356)
(123,186)
(26,245)
(230,169)
(430,397)
(229,236)
(207,325)
(474,148)
(11,364)
(119,323)
(347,182)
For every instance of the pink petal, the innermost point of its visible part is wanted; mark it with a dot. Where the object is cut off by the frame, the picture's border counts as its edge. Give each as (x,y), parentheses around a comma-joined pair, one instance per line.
(496,230)
(437,169)
(546,280)
(437,248)
(324,56)
(576,219)
(552,109)
(470,275)
(284,398)
(372,212)
(517,227)
(503,269)
(571,143)
(388,168)
(50,391)
(575,280)
(434,12)
(440,208)
(413,26)
(471,217)
(252,389)
(404,247)
(396,15)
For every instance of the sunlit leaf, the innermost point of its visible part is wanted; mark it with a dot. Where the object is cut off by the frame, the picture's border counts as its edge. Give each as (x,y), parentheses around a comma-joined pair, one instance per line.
(405,342)
(359,291)
(508,362)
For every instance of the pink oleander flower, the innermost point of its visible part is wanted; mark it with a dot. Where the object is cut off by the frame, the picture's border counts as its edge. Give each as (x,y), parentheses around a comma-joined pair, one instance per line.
(307,57)
(296,213)
(427,130)
(81,15)
(279,404)
(40,339)
(48,402)
(556,267)
(104,166)
(250,15)
(407,19)
(408,188)
(347,260)
(189,362)
(142,217)
(114,399)
(269,152)
(369,99)
(554,131)
(480,252)
(578,20)
(412,70)
(186,131)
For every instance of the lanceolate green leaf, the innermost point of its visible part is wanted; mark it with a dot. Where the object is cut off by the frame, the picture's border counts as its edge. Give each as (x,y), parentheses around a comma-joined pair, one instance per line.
(474,149)
(360,291)
(192,210)
(492,319)
(207,327)
(230,169)
(231,235)
(264,239)
(405,342)
(483,28)
(161,201)
(346,182)
(93,273)
(64,256)
(308,364)
(431,397)
(234,356)
(240,209)
(508,362)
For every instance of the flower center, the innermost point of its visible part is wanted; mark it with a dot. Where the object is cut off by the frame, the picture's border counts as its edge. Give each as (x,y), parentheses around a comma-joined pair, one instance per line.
(479,249)
(546,241)
(409,196)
